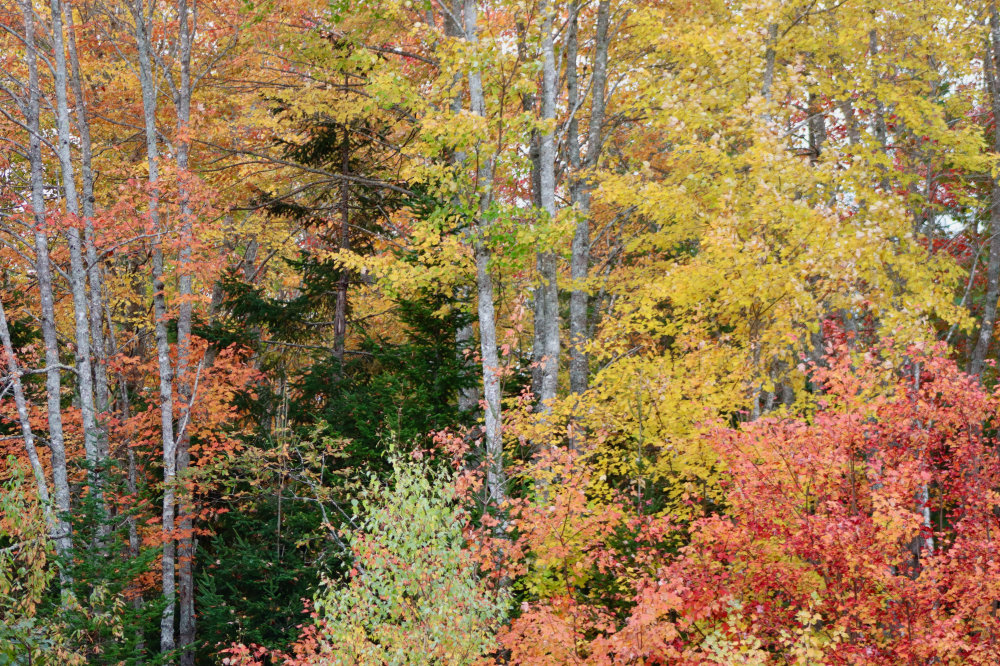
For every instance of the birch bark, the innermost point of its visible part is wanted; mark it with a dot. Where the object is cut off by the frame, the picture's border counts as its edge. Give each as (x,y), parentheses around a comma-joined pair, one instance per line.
(14,373)
(495,475)
(94,278)
(43,271)
(78,273)
(186,544)
(144,49)
(547,293)
(468,397)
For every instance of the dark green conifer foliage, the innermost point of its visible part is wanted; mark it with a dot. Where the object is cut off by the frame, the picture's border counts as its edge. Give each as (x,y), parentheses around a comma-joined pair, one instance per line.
(267,554)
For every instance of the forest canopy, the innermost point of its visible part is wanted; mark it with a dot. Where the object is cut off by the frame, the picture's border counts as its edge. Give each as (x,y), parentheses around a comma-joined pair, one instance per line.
(514,332)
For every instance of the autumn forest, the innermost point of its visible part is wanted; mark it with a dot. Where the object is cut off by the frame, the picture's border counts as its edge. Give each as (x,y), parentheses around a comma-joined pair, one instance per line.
(499,332)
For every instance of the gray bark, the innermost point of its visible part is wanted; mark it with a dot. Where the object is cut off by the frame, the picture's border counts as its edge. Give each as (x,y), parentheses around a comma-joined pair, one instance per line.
(95,300)
(539,301)
(495,476)
(988,322)
(579,263)
(817,129)
(579,300)
(14,373)
(43,271)
(468,397)
(186,543)
(770,55)
(547,293)
(168,640)
(853,133)
(78,273)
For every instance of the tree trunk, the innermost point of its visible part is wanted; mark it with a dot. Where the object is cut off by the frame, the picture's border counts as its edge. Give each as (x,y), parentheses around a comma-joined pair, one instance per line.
(468,397)
(817,129)
(991,61)
(579,263)
(78,273)
(579,303)
(340,308)
(495,477)
(168,639)
(770,56)
(24,419)
(95,301)
(43,272)
(547,294)
(186,541)
(579,300)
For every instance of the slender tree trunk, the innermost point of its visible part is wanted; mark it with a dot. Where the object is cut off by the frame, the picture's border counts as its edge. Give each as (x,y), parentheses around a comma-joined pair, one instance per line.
(95,300)
(340,308)
(817,129)
(850,120)
(986,326)
(496,484)
(579,263)
(43,272)
(579,300)
(23,417)
(186,541)
(547,294)
(168,640)
(468,397)
(539,302)
(770,56)
(495,476)
(78,273)
(573,96)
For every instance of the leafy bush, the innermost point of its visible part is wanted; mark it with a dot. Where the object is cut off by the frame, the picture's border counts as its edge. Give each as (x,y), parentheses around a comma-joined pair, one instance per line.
(413,594)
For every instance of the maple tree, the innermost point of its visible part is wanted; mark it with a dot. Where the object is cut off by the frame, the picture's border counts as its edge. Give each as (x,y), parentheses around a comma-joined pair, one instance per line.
(844,537)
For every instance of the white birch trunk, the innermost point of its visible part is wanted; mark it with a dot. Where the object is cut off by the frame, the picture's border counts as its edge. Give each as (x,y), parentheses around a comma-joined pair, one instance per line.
(468,397)
(547,294)
(78,273)
(23,417)
(43,271)
(168,640)
(186,543)
(95,294)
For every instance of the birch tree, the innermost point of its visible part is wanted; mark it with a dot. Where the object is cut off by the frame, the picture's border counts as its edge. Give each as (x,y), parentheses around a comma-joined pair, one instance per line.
(78,270)
(143,17)
(43,271)
(483,199)
(547,293)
